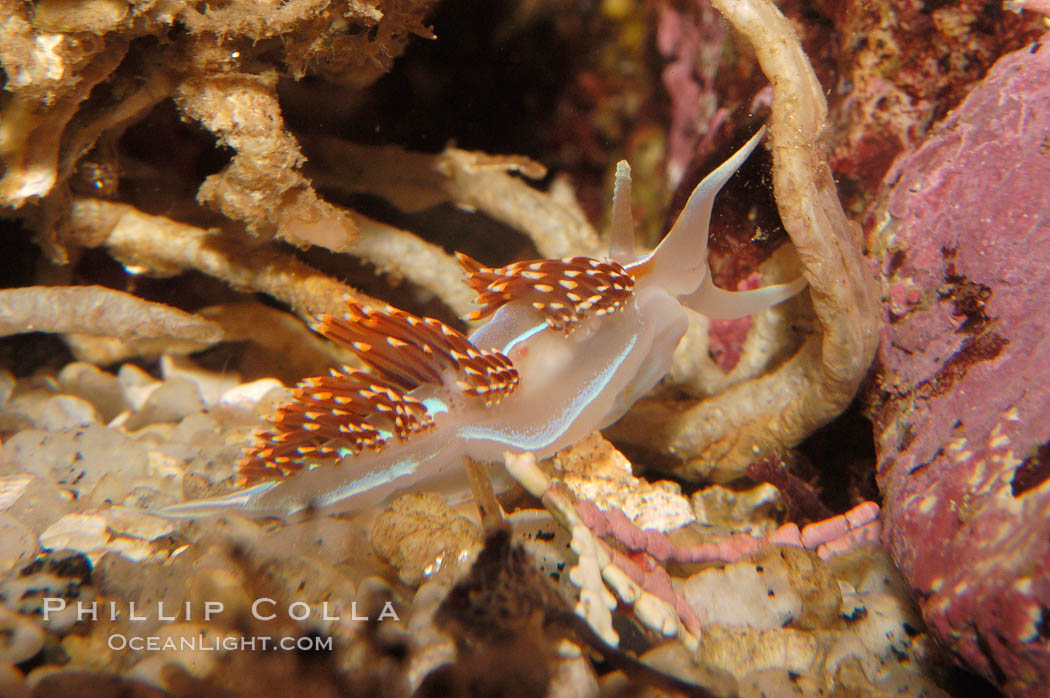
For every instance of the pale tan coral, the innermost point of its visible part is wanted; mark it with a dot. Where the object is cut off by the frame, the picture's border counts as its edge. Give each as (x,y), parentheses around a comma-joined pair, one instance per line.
(256,19)
(139,94)
(472,180)
(289,350)
(50,75)
(54,130)
(98,17)
(349,42)
(162,246)
(56,52)
(221,73)
(718,437)
(399,252)
(101,350)
(262,185)
(99,311)
(741,650)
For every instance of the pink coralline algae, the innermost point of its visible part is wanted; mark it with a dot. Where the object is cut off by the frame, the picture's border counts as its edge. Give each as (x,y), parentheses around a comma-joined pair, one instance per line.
(691,39)
(727,336)
(963,422)
(899,66)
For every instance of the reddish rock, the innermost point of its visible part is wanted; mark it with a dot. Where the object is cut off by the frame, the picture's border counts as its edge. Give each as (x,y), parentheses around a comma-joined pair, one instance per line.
(727,336)
(691,39)
(963,426)
(895,66)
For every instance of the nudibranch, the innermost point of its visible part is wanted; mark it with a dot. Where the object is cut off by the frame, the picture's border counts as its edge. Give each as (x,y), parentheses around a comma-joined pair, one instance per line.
(567,348)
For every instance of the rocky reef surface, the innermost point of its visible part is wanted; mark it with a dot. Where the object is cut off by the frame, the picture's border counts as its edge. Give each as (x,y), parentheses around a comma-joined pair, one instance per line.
(963,435)
(411,598)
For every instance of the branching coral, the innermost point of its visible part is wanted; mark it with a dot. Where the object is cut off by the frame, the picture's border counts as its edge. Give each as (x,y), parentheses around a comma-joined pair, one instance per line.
(49,76)
(720,437)
(472,180)
(161,245)
(596,564)
(100,311)
(262,185)
(221,72)
(398,252)
(614,551)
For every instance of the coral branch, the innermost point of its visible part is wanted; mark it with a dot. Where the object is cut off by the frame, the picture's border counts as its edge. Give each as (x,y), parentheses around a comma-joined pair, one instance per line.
(139,94)
(638,576)
(652,610)
(719,437)
(262,185)
(398,252)
(295,350)
(161,245)
(98,311)
(827,538)
(34,117)
(415,181)
(643,571)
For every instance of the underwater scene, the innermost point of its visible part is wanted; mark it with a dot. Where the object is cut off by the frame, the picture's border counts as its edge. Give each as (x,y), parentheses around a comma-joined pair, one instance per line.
(525,348)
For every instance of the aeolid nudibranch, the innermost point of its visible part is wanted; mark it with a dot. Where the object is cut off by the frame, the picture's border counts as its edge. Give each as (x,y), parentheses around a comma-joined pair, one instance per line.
(569,345)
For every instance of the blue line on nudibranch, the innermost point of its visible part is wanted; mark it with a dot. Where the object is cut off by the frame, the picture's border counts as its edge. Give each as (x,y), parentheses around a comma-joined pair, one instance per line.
(536,440)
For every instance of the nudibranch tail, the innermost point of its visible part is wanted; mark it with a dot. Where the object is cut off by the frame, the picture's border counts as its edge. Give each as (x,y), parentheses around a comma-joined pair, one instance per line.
(238,500)
(563,290)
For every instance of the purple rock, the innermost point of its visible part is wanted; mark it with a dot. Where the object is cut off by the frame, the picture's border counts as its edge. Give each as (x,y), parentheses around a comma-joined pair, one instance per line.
(963,424)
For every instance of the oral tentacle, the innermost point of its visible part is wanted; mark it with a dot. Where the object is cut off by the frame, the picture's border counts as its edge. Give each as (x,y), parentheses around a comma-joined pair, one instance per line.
(718,303)
(680,260)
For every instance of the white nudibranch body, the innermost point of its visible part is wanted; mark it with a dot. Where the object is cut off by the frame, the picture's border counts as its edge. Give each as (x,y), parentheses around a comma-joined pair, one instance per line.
(568,347)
